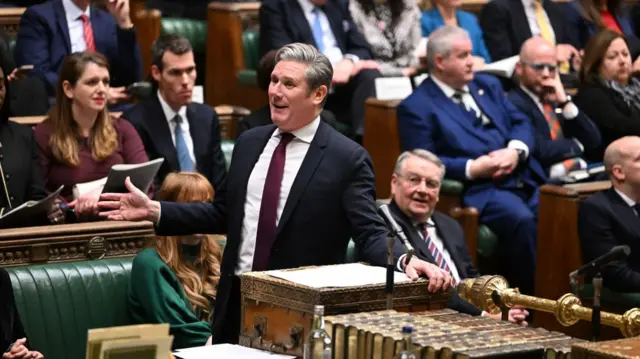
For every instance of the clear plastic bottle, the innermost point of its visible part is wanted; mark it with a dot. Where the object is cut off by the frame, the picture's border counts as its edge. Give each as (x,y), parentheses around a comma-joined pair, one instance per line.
(318,343)
(408,351)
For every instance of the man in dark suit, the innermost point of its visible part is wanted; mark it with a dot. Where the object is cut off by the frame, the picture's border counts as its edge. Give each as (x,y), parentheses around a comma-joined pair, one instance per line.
(506,24)
(327,25)
(296,192)
(262,116)
(436,237)
(51,31)
(484,141)
(563,132)
(186,134)
(610,218)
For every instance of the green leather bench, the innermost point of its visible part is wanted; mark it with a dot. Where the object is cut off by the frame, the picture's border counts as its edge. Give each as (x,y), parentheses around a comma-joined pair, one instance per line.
(251,46)
(196,32)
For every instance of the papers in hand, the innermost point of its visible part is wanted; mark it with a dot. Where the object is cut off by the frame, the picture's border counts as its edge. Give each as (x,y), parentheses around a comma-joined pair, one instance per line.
(30,213)
(227,351)
(342,275)
(142,175)
(504,68)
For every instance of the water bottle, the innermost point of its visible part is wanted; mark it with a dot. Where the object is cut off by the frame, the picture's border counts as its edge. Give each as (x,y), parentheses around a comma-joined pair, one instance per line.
(318,342)
(408,351)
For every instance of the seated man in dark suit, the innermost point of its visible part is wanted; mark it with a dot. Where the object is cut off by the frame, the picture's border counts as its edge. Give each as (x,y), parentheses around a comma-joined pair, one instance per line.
(186,134)
(563,132)
(507,24)
(296,193)
(484,141)
(262,116)
(327,25)
(436,237)
(610,218)
(51,31)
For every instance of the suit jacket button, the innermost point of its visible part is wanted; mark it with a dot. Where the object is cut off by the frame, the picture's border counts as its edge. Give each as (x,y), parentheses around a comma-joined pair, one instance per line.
(7,176)
(520,184)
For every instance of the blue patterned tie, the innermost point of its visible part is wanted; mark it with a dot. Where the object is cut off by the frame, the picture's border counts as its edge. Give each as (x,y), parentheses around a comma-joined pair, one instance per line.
(317,30)
(184,158)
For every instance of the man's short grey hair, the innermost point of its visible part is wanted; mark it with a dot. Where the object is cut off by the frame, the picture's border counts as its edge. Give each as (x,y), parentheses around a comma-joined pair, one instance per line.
(440,43)
(425,155)
(319,70)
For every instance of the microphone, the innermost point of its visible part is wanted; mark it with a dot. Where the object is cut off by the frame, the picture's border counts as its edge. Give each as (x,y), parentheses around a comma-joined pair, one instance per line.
(616,253)
(386,215)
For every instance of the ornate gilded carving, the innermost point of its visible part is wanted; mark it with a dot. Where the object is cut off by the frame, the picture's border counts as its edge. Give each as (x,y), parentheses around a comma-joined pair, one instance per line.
(483,291)
(96,248)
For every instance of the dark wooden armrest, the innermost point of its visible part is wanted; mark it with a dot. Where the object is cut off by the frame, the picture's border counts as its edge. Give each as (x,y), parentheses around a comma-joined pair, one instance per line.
(31,121)
(230,110)
(468,219)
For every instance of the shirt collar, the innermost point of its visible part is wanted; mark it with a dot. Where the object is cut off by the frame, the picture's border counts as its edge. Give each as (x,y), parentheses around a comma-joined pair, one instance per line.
(625,198)
(430,223)
(72,11)
(529,3)
(169,113)
(307,6)
(306,133)
(532,95)
(448,90)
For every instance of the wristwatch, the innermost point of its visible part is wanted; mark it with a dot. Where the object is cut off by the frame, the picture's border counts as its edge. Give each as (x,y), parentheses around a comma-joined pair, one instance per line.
(566,102)
(522,155)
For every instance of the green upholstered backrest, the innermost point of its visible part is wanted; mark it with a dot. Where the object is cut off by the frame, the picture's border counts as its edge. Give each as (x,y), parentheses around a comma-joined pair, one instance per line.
(251,45)
(194,30)
(623,300)
(59,303)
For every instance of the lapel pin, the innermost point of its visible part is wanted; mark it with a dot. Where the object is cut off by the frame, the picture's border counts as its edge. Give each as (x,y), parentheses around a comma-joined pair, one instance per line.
(481,92)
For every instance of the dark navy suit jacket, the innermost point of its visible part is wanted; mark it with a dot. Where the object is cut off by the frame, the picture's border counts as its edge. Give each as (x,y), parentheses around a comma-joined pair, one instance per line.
(331,201)
(549,151)
(429,120)
(43,41)
(153,127)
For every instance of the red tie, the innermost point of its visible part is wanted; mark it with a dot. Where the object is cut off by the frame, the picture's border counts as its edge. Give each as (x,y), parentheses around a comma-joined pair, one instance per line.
(88,33)
(266,233)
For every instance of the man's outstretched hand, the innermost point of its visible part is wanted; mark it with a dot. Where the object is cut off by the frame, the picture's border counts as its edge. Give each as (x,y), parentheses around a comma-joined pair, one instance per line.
(131,206)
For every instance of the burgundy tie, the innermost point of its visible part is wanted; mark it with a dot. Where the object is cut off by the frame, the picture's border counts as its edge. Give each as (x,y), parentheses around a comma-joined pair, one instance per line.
(266,234)
(88,33)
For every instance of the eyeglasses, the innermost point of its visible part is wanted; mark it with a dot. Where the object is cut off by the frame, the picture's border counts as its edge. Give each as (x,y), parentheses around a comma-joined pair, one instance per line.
(416,181)
(539,66)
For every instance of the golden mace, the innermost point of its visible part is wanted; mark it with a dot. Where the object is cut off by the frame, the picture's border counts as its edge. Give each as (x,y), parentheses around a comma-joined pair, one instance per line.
(489,293)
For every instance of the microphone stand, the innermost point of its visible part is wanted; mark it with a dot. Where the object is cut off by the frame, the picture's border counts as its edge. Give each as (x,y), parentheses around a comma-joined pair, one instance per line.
(595,313)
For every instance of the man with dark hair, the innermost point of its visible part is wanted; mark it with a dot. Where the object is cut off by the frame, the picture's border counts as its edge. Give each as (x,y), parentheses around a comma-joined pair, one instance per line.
(262,116)
(186,134)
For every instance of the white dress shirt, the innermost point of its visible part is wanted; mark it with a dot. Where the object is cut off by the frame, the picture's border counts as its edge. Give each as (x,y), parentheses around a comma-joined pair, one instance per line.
(329,44)
(295,154)
(433,234)
(76,28)
(627,200)
(471,104)
(530,13)
(169,114)
(569,112)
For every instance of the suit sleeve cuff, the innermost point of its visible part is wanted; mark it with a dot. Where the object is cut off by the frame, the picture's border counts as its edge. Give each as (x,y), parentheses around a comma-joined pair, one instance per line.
(557,170)
(579,144)
(519,145)
(355,59)
(570,111)
(400,265)
(467,170)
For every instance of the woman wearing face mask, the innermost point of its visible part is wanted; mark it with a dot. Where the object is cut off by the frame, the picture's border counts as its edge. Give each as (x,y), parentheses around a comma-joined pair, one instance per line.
(609,92)
(80,140)
(175,280)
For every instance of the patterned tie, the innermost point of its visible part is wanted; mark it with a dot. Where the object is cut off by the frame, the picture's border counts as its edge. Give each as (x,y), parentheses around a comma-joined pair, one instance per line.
(435,253)
(317,30)
(267,221)
(555,130)
(88,33)
(184,157)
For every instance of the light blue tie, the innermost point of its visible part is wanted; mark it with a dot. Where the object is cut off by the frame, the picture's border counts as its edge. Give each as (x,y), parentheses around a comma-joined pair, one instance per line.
(184,158)
(317,30)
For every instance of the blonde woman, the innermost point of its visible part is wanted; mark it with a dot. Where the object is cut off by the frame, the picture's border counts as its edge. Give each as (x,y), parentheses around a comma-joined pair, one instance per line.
(175,280)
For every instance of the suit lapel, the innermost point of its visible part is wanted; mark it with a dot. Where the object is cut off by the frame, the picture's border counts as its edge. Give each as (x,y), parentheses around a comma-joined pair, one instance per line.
(626,214)
(487,108)
(301,23)
(305,173)
(161,133)
(519,21)
(99,30)
(538,117)
(61,21)
(449,242)
(411,232)
(335,20)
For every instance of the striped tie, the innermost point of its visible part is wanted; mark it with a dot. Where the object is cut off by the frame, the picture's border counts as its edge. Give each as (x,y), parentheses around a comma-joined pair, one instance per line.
(437,255)
(87,29)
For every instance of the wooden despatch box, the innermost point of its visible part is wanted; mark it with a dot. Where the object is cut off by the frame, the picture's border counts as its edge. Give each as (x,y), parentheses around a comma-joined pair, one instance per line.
(277,314)
(628,348)
(72,242)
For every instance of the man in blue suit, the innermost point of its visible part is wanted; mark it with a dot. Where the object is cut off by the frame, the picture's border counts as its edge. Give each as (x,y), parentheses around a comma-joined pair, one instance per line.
(296,192)
(51,31)
(483,141)
(185,134)
(563,132)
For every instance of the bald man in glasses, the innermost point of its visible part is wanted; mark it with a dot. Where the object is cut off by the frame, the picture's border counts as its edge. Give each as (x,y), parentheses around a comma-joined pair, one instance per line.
(563,133)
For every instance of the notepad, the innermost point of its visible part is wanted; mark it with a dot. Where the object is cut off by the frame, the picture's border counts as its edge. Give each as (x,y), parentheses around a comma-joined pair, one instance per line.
(30,213)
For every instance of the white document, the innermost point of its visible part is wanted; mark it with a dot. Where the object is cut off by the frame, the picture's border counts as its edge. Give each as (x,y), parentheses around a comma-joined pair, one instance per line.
(503,68)
(227,351)
(393,88)
(342,275)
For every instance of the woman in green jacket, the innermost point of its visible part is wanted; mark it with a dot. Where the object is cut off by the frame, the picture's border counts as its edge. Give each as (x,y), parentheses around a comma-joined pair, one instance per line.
(175,280)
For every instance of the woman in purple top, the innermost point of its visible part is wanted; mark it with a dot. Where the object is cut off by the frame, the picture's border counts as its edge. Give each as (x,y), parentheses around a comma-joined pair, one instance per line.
(80,140)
